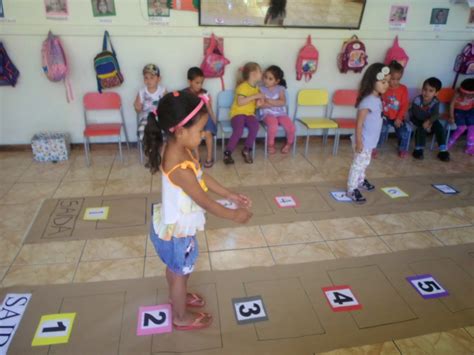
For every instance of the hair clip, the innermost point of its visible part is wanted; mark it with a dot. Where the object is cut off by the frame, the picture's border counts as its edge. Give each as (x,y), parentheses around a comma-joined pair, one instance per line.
(175,93)
(381,75)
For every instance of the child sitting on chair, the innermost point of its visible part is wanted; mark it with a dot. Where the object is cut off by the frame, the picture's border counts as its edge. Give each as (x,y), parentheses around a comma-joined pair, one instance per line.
(148,97)
(462,112)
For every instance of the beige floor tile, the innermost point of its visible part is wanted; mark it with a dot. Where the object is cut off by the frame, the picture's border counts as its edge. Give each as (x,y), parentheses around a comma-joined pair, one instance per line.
(291,233)
(455,341)
(12,169)
(470,330)
(39,274)
(50,253)
(417,240)
(235,238)
(155,267)
(466,212)
(156,183)
(387,348)
(131,186)
(454,236)
(358,247)
(106,270)
(3,271)
(45,172)
(98,170)
(28,192)
(344,228)
(80,189)
(384,224)
(301,253)
(439,219)
(16,218)
(8,251)
(239,259)
(5,187)
(130,168)
(114,248)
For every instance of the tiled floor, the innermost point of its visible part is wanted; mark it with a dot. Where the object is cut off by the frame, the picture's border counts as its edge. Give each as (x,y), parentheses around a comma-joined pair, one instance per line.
(24,184)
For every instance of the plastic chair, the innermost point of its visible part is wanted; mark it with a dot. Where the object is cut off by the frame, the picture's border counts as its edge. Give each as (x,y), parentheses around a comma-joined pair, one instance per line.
(225,100)
(445,95)
(314,98)
(281,131)
(345,98)
(94,101)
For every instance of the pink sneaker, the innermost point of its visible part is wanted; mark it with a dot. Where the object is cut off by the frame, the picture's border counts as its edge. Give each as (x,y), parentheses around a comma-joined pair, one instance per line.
(403,155)
(271,149)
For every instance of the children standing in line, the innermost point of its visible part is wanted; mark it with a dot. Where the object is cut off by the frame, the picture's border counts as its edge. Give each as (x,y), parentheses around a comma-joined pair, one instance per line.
(374,84)
(195,80)
(274,110)
(462,112)
(395,107)
(182,116)
(148,96)
(247,99)
(424,114)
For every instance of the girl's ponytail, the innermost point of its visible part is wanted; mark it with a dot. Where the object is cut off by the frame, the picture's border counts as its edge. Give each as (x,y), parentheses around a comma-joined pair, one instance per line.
(152,142)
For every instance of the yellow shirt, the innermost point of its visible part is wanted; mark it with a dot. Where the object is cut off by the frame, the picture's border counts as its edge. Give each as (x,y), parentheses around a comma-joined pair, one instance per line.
(246,90)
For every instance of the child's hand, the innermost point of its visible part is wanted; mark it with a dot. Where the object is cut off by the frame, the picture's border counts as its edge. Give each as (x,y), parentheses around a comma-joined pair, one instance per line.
(398,123)
(260,103)
(451,119)
(359,147)
(138,106)
(427,125)
(242,215)
(240,199)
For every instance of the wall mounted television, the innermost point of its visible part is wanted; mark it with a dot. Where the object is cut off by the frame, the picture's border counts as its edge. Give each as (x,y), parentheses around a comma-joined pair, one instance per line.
(331,14)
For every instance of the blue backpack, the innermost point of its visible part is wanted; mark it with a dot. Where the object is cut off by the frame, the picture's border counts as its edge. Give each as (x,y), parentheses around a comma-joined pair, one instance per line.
(8,72)
(107,67)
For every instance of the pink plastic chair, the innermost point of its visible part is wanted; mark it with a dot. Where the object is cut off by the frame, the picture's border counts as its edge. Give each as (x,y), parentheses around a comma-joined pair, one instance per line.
(94,101)
(347,98)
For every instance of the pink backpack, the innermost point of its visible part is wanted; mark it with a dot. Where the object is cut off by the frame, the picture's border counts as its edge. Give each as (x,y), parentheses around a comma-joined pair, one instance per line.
(55,63)
(307,62)
(464,62)
(213,65)
(396,53)
(353,56)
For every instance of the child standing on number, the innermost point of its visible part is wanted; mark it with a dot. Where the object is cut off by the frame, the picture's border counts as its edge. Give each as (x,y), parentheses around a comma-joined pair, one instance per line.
(246,101)
(369,124)
(148,96)
(182,116)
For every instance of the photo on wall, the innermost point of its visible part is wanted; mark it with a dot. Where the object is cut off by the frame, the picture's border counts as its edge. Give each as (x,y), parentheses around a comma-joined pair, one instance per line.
(398,15)
(102,8)
(158,8)
(56,8)
(470,20)
(439,16)
(2,13)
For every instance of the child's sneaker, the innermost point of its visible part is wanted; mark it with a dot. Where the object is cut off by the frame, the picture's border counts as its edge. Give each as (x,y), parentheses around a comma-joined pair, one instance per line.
(444,156)
(367,185)
(357,197)
(228,158)
(418,154)
(247,154)
(402,154)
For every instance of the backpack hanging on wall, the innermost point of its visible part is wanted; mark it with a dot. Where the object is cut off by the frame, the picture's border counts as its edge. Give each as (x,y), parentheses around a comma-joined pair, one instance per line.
(213,65)
(464,62)
(8,72)
(307,62)
(107,67)
(353,56)
(55,63)
(397,54)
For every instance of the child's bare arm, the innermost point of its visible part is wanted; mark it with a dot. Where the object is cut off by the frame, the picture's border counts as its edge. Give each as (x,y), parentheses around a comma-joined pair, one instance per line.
(244,100)
(361,116)
(281,101)
(451,108)
(211,113)
(186,179)
(138,104)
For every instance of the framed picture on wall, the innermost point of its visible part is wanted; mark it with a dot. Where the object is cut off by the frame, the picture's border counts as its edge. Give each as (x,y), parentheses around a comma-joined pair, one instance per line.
(102,8)
(56,8)
(158,8)
(398,15)
(439,16)
(346,14)
(470,19)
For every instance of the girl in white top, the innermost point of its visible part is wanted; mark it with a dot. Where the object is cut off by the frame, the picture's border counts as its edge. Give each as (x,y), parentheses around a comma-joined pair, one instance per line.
(369,124)
(148,96)
(175,222)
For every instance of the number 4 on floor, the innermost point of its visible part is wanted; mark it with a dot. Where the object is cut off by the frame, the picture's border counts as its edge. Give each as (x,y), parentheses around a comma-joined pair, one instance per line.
(341,298)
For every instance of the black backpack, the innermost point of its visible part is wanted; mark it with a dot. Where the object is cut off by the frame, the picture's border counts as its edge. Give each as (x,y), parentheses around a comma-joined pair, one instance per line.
(8,72)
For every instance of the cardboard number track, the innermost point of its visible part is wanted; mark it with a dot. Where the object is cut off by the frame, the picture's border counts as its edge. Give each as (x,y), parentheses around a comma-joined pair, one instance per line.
(297,320)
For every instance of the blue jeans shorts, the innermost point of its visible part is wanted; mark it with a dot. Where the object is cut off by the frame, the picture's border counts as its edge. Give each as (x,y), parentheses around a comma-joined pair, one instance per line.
(464,117)
(178,254)
(210,126)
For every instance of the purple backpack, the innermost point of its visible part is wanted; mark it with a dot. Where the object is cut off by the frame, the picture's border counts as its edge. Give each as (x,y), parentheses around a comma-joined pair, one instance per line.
(464,62)
(8,72)
(213,65)
(55,63)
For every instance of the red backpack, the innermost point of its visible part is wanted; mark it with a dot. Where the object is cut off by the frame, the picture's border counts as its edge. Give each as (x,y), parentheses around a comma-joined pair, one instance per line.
(213,65)
(307,62)
(353,56)
(464,62)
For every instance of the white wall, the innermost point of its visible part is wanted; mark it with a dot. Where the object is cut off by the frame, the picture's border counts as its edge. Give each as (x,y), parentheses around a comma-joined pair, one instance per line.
(37,104)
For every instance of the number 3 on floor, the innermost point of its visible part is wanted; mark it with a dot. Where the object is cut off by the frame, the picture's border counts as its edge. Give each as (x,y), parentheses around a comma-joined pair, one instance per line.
(341,298)
(249,310)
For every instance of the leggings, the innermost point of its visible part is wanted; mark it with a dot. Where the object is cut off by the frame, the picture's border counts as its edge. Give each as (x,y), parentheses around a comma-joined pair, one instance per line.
(359,166)
(238,123)
(272,123)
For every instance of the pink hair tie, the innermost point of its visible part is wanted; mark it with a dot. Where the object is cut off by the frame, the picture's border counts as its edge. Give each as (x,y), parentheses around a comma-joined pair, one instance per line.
(204,100)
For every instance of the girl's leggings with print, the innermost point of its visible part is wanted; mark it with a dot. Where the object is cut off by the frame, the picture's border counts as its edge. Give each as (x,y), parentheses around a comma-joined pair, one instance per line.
(273,122)
(357,173)
(238,123)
